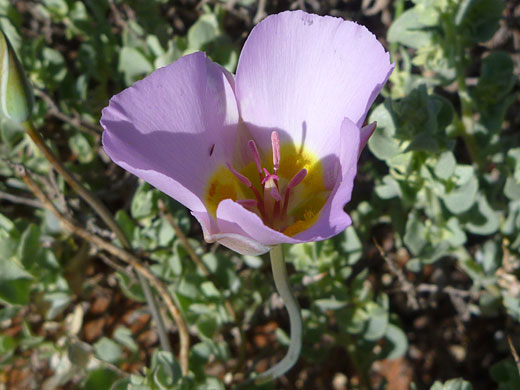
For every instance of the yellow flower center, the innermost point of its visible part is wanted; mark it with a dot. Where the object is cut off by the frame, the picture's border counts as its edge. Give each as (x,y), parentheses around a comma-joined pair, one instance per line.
(289,199)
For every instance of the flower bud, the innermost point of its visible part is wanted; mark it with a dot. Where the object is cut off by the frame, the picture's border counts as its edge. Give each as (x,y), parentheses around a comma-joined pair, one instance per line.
(16,98)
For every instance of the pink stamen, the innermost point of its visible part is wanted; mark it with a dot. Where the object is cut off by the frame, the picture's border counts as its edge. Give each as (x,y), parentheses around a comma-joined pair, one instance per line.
(297,179)
(256,156)
(275,142)
(239,176)
(248,183)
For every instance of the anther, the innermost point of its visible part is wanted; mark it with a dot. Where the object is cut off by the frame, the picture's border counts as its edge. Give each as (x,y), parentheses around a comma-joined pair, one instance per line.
(239,176)
(256,156)
(275,142)
(297,179)
(248,184)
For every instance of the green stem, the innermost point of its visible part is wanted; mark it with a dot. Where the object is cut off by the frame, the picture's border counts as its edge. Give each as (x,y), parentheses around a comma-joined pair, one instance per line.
(281,282)
(466,123)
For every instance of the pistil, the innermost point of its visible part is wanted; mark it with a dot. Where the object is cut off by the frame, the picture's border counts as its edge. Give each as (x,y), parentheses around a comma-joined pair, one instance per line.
(256,156)
(275,142)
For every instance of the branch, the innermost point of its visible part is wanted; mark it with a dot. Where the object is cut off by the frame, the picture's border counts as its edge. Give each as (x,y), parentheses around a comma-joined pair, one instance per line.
(76,122)
(20,200)
(109,220)
(121,254)
(408,288)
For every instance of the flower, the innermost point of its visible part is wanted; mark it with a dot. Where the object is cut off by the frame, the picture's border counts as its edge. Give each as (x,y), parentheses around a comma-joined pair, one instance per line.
(16,98)
(266,157)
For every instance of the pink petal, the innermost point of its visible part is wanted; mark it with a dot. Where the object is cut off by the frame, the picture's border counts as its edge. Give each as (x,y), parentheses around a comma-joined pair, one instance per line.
(301,74)
(236,240)
(233,218)
(333,220)
(366,133)
(174,127)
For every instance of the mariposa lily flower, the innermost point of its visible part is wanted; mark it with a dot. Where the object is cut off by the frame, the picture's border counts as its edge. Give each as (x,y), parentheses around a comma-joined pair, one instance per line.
(16,98)
(268,156)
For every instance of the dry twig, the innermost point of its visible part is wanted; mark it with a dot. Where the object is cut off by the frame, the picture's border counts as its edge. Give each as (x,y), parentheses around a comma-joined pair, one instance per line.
(121,254)
(407,287)
(514,352)
(20,200)
(76,121)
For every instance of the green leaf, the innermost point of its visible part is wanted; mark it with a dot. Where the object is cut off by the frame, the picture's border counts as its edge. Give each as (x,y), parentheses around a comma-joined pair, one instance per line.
(327,304)
(108,350)
(144,202)
(166,370)
(482,219)
(204,31)
(389,188)
(477,20)
(29,246)
(11,132)
(7,344)
(53,69)
(57,7)
(133,64)
(124,337)
(445,166)
(210,383)
(79,353)
(411,30)
(506,374)
(383,143)
(130,287)
(453,384)
(454,233)
(126,224)
(414,237)
(496,79)
(378,319)
(81,147)
(100,379)
(207,326)
(15,282)
(254,262)
(395,343)
(512,188)
(124,384)
(463,195)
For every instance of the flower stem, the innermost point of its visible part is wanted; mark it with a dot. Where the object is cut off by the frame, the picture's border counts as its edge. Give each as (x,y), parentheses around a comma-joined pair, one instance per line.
(281,282)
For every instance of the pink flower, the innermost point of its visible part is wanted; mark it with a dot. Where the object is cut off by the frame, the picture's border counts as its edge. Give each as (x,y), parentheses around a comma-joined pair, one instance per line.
(268,156)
